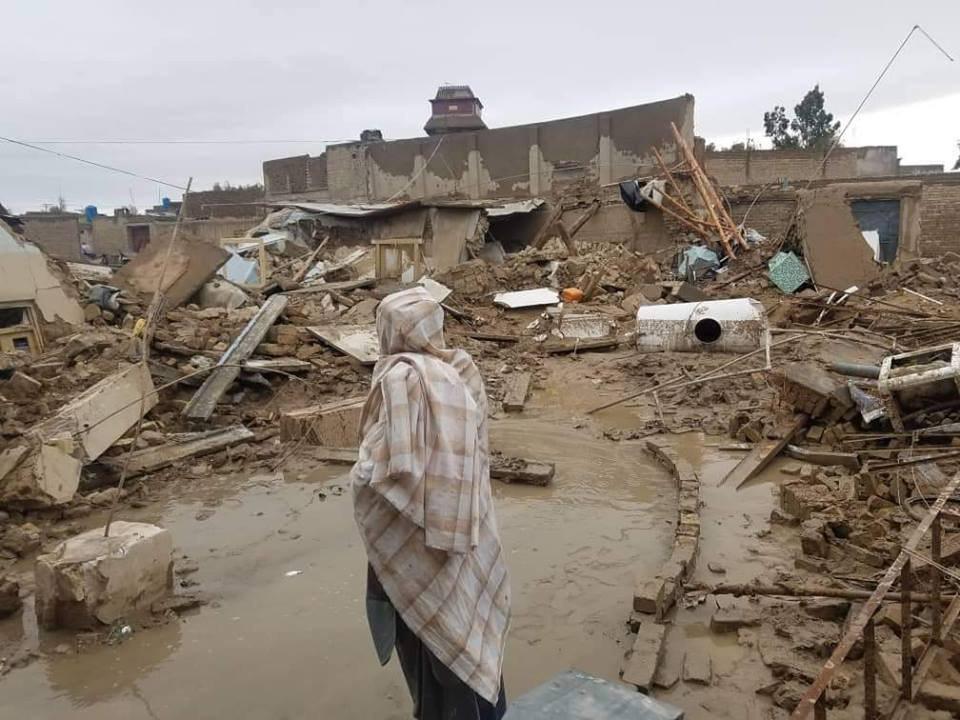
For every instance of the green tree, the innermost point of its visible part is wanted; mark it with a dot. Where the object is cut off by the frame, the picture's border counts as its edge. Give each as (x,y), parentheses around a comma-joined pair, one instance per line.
(812,127)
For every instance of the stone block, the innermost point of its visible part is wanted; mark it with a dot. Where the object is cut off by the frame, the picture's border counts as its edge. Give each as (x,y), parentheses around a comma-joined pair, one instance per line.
(91,579)
(698,668)
(814,543)
(641,662)
(9,596)
(832,609)
(335,424)
(802,500)
(648,596)
(731,619)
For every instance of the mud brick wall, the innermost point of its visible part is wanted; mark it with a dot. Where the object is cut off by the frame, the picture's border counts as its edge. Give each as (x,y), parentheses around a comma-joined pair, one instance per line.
(940,217)
(770,216)
(58,236)
(232,203)
(285,175)
(546,159)
(747,167)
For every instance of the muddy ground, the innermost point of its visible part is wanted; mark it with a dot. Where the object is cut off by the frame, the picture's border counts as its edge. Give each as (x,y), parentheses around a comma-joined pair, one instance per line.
(284,634)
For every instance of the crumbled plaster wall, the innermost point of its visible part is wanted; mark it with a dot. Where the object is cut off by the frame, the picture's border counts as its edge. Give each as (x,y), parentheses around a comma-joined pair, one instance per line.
(542,159)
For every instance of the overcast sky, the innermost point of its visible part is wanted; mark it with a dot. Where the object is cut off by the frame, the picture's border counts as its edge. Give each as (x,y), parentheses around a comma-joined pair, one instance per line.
(219,70)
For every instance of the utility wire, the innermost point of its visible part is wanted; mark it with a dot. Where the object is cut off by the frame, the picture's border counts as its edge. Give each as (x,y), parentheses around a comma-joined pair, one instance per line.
(185,142)
(856,112)
(90,162)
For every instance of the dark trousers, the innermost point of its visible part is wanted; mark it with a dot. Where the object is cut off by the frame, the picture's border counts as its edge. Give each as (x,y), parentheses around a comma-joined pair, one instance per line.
(438,694)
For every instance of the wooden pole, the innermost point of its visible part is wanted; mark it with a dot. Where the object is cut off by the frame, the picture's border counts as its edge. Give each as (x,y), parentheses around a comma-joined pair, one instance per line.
(906,632)
(869,671)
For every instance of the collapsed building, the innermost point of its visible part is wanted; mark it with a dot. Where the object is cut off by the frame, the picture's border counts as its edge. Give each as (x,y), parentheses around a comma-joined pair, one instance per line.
(803,326)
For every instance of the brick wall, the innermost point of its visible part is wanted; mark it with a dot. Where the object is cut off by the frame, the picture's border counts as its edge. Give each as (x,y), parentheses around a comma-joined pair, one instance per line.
(940,217)
(58,236)
(285,175)
(232,203)
(546,159)
(769,216)
(748,167)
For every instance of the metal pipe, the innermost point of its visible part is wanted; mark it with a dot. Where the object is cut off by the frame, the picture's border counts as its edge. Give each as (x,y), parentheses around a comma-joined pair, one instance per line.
(856,369)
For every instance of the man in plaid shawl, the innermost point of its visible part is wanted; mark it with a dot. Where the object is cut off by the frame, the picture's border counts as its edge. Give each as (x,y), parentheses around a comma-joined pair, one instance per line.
(437,583)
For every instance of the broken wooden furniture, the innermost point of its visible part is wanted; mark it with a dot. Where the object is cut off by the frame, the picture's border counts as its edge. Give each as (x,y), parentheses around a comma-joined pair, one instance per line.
(912,676)
(932,373)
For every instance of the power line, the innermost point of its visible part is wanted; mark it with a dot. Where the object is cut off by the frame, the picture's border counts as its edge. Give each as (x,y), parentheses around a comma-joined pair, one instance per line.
(90,162)
(187,142)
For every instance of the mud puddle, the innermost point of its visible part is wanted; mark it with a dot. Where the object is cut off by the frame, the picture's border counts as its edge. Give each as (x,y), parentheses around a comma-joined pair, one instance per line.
(737,545)
(286,637)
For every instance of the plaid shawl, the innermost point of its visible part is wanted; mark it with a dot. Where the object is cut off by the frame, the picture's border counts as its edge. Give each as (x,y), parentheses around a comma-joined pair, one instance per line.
(421,492)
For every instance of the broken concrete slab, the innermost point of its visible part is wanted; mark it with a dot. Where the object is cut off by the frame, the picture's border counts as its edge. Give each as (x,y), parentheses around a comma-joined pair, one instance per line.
(358,341)
(515,392)
(335,424)
(641,662)
(192,263)
(698,668)
(519,470)
(731,619)
(46,474)
(103,413)
(527,298)
(186,445)
(833,245)
(27,277)
(204,401)
(91,579)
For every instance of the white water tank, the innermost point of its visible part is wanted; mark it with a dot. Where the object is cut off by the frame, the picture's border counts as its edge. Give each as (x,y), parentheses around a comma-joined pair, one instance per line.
(737,325)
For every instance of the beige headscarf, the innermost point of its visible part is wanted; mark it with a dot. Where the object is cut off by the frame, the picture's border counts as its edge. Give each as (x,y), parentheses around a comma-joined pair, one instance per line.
(422,492)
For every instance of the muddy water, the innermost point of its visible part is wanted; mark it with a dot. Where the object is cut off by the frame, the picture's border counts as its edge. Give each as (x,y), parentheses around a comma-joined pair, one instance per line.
(286,636)
(737,538)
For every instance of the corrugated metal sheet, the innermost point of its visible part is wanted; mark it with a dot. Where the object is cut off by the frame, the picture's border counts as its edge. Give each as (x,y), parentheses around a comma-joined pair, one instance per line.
(514,208)
(339,210)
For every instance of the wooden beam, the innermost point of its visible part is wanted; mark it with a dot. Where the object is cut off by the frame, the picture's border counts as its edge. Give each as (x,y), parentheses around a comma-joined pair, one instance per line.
(150,459)
(204,401)
(763,454)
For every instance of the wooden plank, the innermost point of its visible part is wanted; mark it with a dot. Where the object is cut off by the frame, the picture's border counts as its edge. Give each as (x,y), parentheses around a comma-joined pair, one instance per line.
(763,454)
(515,395)
(282,364)
(824,457)
(342,286)
(520,470)
(151,459)
(204,401)
(870,606)
(555,347)
(336,455)
(493,337)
